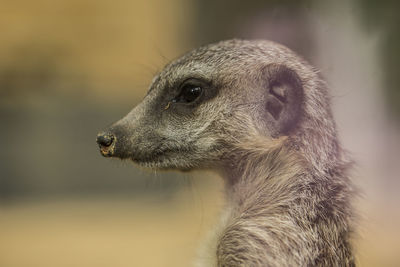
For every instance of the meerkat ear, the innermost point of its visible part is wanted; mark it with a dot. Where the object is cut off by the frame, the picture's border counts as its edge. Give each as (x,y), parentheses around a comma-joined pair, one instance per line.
(284,98)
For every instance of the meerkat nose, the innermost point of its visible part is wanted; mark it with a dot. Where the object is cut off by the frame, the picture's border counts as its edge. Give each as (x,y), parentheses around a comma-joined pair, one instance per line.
(106,143)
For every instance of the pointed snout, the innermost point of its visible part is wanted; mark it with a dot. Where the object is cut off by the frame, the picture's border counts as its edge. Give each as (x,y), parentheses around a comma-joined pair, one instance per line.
(106,142)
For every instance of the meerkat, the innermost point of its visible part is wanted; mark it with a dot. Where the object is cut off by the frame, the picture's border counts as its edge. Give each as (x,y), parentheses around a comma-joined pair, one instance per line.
(260,116)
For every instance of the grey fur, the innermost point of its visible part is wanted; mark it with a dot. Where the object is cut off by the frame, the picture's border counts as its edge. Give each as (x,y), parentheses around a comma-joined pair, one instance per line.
(288,191)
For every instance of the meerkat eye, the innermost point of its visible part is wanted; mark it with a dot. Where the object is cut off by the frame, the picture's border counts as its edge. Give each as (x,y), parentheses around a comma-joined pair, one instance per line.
(188,94)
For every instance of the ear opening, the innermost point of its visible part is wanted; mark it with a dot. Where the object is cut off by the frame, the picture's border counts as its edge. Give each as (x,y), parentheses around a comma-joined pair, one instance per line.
(283,98)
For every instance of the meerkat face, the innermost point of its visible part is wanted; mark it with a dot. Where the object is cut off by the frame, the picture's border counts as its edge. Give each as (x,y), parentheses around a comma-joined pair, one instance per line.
(175,126)
(199,106)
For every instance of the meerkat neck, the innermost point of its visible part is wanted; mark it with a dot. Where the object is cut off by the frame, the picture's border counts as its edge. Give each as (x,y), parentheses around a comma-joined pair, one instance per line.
(260,174)
(275,193)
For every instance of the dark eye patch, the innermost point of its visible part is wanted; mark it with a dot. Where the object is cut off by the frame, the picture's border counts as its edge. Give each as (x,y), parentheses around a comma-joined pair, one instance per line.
(189,93)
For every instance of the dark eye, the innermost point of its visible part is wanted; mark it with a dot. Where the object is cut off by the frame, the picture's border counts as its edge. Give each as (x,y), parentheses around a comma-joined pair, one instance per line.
(189,93)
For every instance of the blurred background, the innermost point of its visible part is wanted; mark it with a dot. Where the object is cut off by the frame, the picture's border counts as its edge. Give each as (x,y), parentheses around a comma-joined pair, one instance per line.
(70,68)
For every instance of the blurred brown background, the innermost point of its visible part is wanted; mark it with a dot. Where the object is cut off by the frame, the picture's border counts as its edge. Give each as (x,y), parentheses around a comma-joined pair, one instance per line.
(69,68)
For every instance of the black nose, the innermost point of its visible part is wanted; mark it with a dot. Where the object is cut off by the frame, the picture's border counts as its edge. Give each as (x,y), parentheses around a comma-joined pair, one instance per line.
(105,139)
(106,143)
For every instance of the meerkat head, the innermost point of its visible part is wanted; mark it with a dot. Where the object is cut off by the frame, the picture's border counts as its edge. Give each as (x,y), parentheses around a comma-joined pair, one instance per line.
(207,101)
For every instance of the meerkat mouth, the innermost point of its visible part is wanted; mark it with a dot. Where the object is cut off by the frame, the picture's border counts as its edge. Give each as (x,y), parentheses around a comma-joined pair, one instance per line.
(158,157)
(107,151)
(143,159)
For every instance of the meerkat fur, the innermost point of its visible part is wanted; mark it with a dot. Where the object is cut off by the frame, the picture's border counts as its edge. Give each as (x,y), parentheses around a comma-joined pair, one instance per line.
(260,116)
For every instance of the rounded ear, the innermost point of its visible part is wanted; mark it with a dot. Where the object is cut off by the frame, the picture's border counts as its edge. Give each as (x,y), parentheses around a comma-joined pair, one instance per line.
(284,98)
